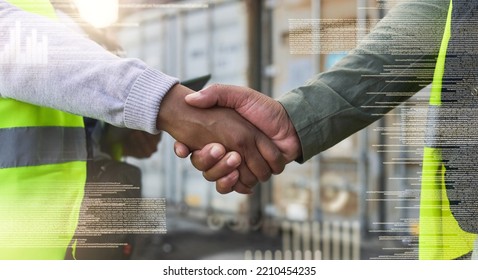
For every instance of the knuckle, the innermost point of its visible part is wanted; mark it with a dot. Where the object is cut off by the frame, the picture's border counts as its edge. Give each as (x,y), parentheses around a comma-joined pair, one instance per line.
(197,162)
(222,189)
(243,146)
(201,160)
(278,166)
(277,155)
(276,161)
(279,169)
(215,86)
(208,177)
(264,174)
(241,143)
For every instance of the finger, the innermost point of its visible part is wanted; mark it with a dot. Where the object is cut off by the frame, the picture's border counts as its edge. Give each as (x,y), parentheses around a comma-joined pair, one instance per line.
(256,163)
(201,100)
(218,95)
(229,163)
(148,150)
(133,151)
(153,141)
(150,147)
(136,147)
(226,184)
(246,177)
(181,150)
(238,187)
(145,148)
(271,153)
(209,156)
(242,189)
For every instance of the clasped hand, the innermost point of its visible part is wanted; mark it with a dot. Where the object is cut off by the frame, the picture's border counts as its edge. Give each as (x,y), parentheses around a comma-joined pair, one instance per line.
(241,138)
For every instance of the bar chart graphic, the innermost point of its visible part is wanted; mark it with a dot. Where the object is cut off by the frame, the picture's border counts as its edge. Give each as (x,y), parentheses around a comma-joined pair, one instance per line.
(24,47)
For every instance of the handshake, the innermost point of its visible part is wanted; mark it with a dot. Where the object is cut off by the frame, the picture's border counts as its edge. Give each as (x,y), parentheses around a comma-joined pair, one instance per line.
(236,136)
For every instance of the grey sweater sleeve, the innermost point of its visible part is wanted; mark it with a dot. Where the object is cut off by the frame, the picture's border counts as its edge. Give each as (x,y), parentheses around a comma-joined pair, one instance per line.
(75,74)
(393,62)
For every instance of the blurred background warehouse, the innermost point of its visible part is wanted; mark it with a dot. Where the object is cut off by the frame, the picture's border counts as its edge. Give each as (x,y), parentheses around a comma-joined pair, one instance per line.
(358,200)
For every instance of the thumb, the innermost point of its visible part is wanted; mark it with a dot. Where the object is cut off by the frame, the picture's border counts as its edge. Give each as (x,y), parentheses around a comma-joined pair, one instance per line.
(217,95)
(202,99)
(181,150)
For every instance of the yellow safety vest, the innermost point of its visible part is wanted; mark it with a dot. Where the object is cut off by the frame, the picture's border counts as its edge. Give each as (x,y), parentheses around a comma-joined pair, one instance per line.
(440,236)
(42,172)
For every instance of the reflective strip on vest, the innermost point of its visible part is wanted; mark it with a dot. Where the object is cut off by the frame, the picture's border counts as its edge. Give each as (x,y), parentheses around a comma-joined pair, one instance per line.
(440,236)
(42,173)
(32,146)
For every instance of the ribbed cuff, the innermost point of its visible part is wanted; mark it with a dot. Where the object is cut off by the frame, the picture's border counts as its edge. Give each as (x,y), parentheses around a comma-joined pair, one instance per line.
(143,102)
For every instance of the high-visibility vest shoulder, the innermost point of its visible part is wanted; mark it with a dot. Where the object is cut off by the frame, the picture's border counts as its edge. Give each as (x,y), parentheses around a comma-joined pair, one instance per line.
(42,170)
(440,236)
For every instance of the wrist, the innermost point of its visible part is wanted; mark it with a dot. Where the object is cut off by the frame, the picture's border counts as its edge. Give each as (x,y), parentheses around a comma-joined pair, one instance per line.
(172,104)
(144,99)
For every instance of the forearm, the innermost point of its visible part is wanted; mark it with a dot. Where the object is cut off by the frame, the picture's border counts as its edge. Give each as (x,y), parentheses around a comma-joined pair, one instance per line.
(79,76)
(393,62)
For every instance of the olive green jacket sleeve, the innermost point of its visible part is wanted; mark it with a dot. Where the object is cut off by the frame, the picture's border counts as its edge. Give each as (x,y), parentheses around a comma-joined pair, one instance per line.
(391,64)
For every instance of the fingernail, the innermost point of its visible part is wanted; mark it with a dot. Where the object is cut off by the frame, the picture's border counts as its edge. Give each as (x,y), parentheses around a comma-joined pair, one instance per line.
(176,151)
(194,95)
(233,160)
(216,152)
